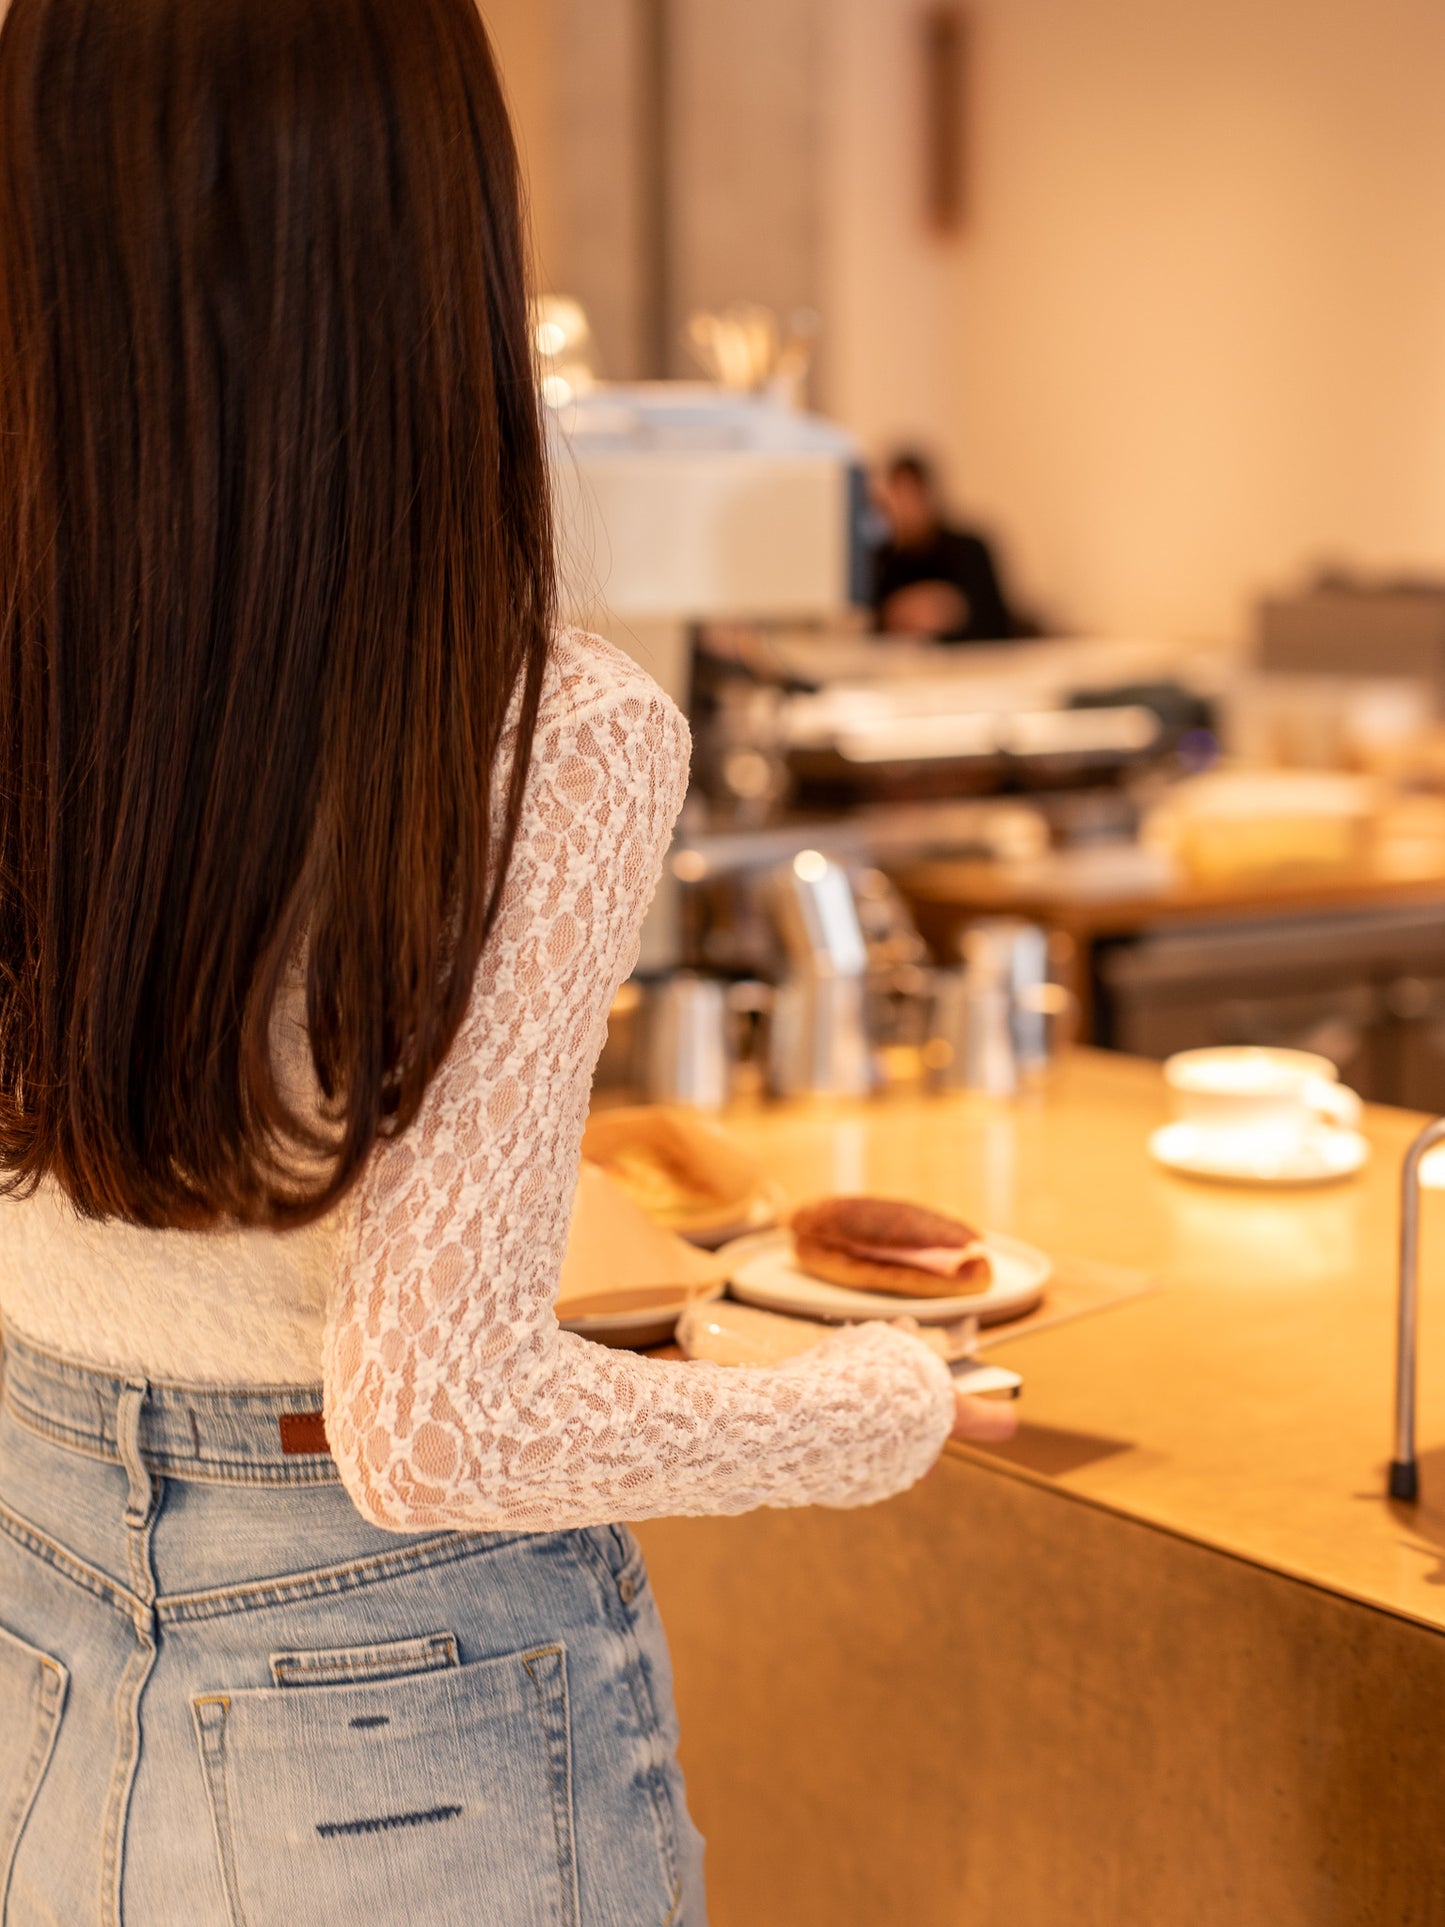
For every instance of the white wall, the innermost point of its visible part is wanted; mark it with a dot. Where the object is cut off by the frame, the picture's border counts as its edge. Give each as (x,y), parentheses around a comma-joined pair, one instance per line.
(891,293)
(1193,338)
(523,36)
(745,191)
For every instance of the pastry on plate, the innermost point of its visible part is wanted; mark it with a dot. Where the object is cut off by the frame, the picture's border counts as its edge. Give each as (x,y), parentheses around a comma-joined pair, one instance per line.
(618,1260)
(686,1172)
(889,1245)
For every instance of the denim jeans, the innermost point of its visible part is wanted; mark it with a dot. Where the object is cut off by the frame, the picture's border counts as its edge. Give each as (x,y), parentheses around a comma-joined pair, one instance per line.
(226,1698)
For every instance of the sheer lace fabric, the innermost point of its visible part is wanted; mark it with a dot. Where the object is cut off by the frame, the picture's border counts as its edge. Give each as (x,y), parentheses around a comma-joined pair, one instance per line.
(452,1397)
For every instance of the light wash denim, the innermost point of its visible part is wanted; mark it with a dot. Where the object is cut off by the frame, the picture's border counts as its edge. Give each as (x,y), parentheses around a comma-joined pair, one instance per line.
(226,1699)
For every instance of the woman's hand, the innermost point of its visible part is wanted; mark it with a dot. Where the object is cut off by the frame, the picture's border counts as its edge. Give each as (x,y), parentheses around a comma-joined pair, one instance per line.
(979,1421)
(984,1421)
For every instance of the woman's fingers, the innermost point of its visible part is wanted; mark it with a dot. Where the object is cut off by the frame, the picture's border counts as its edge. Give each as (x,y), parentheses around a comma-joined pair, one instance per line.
(984,1421)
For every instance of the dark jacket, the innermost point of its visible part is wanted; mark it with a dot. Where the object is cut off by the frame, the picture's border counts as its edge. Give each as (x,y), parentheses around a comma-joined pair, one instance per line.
(957,558)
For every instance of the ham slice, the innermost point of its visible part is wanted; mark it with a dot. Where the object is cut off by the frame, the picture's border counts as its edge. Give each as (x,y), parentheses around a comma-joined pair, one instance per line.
(939,1261)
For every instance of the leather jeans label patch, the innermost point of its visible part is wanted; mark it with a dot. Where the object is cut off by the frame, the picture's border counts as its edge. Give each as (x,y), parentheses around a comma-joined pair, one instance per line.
(303,1432)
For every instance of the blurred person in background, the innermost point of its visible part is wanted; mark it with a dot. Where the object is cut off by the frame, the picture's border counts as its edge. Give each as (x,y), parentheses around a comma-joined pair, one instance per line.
(933,579)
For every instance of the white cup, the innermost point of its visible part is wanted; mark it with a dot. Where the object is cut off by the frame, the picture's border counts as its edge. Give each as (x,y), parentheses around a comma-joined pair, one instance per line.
(1257,1097)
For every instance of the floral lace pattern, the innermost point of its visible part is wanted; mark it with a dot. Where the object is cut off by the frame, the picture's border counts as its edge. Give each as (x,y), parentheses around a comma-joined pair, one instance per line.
(452,1397)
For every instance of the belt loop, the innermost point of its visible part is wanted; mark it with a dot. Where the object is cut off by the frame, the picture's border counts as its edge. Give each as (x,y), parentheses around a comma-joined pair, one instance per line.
(127,1438)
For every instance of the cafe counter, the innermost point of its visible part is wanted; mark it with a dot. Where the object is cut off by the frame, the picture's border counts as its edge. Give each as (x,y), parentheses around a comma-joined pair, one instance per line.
(1171,1655)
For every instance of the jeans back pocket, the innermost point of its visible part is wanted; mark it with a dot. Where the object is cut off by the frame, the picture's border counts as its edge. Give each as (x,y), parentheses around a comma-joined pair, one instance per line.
(391,1783)
(32,1696)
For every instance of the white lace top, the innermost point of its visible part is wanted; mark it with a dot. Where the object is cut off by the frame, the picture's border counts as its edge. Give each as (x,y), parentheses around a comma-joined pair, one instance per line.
(425,1305)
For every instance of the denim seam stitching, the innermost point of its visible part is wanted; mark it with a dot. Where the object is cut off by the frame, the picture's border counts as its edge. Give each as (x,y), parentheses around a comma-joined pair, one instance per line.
(138,1669)
(181,1465)
(552,1652)
(669,1844)
(49,1704)
(122,1777)
(58,1432)
(327,1581)
(87,1578)
(360,1665)
(252,1472)
(218,1799)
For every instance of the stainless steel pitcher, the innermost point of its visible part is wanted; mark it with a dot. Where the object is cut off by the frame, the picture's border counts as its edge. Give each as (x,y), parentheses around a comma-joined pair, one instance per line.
(970,1043)
(819,1043)
(995,1024)
(686,1042)
(818,1046)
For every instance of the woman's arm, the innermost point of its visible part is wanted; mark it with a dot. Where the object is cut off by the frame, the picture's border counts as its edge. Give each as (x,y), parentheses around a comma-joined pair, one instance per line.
(452,1397)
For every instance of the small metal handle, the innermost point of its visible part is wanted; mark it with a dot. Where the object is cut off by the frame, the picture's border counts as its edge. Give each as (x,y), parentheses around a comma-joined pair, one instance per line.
(1404,1469)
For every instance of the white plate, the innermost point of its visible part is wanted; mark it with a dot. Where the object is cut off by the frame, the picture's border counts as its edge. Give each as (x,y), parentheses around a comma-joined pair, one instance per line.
(649,1325)
(763,1273)
(760,1215)
(1324,1157)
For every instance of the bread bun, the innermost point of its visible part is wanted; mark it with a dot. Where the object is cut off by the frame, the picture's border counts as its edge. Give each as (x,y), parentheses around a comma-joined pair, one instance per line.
(844,1222)
(867,1244)
(686,1172)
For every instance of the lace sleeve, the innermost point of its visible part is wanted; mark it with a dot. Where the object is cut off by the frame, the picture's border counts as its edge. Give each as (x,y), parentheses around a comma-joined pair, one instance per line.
(453,1399)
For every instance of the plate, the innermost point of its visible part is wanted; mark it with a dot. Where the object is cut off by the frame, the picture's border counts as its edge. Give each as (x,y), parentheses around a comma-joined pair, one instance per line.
(643,1324)
(760,1215)
(763,1273)
(1324,1157)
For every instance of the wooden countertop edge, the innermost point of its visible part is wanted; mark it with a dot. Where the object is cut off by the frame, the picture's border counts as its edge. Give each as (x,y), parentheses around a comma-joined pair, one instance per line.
(1266,896)
(987,1461)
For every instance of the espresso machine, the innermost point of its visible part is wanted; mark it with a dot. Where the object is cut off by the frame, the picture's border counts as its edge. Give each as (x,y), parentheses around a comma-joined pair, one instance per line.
(683,511)
(681,506)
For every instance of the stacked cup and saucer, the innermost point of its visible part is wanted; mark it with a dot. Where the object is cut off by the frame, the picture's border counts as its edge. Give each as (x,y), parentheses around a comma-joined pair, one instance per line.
(1255,1115)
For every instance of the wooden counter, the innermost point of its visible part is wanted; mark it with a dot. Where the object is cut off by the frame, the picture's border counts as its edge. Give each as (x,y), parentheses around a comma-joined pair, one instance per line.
(953,891)
(1403,863)
(1406,872)
(1172,1656)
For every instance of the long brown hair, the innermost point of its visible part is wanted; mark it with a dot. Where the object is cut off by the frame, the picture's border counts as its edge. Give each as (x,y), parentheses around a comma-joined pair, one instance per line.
(275,558)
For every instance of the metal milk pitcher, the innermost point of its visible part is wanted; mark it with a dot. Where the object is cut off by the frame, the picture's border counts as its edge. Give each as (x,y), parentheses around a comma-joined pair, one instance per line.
(686,1042)
(819,1043)
(993,1023)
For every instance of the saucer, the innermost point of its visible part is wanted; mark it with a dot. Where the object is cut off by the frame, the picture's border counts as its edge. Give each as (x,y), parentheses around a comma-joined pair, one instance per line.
(1323,1157)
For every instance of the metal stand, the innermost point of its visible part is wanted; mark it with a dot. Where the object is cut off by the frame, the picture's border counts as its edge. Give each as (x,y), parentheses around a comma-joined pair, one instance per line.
(1404,1471)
